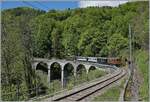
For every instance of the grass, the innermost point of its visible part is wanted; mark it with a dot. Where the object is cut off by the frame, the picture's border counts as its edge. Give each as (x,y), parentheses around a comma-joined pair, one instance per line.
(84,78)
(112,94)
(141,60)
(55,86)
(142,64)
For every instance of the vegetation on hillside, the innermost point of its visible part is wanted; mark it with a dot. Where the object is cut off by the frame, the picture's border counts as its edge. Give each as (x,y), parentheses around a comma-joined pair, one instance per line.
(142,64)
(16,71)
(92,31)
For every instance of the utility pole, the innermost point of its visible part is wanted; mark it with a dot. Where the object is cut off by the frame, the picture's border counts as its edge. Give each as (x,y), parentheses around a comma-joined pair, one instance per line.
(119,2)
(130,50)
(131,68)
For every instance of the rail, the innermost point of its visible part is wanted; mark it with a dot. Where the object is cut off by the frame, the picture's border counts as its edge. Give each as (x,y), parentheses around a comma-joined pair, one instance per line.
(88,90)
(35,92)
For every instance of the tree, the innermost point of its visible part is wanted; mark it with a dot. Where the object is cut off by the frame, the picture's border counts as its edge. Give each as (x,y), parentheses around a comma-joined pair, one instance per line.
(56,42)
(115,44)
(92,31)
(42,28)
(15,51)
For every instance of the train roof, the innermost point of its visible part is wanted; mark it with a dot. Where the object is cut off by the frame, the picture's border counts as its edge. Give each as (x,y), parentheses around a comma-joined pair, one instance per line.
(99,57)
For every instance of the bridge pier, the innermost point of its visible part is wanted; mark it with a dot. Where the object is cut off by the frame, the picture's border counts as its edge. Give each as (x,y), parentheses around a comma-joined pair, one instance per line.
(62,77)
(49,76)
(87,71)
(87,67)
(49,72)
(75,70)
(75,74)
(62,63)
(34,65)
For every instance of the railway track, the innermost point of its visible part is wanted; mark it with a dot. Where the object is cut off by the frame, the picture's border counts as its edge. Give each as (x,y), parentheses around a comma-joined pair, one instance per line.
(83,93)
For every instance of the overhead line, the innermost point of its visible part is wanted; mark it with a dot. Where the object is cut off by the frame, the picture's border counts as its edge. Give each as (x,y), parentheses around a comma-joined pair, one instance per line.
(30,4)
(42,5)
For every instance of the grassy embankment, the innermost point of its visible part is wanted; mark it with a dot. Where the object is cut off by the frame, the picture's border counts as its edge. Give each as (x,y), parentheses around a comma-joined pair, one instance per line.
(142,64)
(55,85)
(112,94)
(141,61)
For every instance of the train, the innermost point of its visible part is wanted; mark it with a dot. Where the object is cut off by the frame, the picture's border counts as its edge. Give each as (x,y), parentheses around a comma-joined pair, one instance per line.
(101,60)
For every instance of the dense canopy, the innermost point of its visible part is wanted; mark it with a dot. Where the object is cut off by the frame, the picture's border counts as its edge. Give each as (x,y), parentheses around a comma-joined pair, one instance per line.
(92,31)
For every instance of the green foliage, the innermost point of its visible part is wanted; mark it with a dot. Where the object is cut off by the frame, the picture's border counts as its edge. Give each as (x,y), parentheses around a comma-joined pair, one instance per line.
(72,81)
(54,86)
(92,31)
(95,74)
(113,94)
(42,79)
(142,64)
(83,77)
(110,95)
(16,52)
(116,43)
(89,31)
(56,43)
(42,36)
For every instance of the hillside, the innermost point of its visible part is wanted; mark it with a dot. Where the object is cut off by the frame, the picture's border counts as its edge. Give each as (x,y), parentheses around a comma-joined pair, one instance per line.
(92,31)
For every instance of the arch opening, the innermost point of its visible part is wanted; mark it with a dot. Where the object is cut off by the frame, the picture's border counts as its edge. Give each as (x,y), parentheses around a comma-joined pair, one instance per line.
(55,73)
(68,70)
(42,68)
(92,68)
(81,74)
(68,73)
(42,73)
(81,69)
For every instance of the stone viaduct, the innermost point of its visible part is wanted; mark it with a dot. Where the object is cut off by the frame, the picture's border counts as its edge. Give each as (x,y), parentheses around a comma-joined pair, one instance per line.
(63,63)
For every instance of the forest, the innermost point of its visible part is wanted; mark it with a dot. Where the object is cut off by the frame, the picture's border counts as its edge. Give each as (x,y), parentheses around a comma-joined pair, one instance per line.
(92,31)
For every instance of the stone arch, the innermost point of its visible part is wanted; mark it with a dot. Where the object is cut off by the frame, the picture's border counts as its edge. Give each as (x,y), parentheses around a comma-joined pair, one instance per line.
(55,73)
(68,72)
(34,65)
(81,68)
(68,67)
(92,68)
(42,66)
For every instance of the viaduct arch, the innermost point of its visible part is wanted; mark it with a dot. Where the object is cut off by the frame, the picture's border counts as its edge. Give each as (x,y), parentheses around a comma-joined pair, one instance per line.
(48,63)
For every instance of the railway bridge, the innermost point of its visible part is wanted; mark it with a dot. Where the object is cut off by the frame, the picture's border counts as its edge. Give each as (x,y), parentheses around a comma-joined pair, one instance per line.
(63,63)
